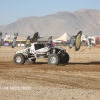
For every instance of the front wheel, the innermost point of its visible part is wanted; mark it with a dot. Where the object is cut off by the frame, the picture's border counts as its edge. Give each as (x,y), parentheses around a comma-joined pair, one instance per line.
(53,59)
(19,59)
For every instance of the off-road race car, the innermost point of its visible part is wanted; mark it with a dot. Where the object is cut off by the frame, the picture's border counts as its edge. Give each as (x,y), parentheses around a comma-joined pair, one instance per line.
(37,50)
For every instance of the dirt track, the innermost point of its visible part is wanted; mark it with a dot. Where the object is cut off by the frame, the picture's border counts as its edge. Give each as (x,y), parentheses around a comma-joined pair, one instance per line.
(73,75)
(78,80)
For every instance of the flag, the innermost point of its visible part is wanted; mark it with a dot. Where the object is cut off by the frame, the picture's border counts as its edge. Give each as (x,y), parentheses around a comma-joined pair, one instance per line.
(78,41)
(15,34)
(0,33)
(14,42)
(35,37)
(0,38)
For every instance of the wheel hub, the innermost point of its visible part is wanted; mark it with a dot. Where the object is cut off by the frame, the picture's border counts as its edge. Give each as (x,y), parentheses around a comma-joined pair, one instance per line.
(52,59)
(18,59)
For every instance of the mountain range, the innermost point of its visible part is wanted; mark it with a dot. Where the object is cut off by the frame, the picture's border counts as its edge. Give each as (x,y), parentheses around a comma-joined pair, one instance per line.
(85,20)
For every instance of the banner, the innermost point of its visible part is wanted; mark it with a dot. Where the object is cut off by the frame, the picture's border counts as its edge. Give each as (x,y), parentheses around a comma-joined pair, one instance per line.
(78,41)
(14,42)
(15,34)
(50,41)
(35,37)
(0,38)
(0,33)
(72,42)
(28,41)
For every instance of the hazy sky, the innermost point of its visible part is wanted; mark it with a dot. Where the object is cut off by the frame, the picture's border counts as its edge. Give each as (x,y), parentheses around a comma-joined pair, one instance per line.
(11,10)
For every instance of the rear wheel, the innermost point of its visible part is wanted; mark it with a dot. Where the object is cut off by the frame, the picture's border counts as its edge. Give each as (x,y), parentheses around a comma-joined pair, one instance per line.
(19,59)
(53,59)
(65,59)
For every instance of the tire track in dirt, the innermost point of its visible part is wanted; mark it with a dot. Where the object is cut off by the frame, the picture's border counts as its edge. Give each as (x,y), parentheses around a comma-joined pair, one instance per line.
(73,75)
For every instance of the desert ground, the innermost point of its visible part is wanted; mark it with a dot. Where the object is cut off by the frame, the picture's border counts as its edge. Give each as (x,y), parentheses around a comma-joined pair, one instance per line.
(78,80)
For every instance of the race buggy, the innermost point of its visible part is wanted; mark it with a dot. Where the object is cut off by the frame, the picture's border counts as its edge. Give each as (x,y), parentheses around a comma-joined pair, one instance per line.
(38,50)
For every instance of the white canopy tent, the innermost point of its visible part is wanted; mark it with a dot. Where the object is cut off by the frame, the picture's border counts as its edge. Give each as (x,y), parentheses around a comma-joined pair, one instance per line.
(64,37)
